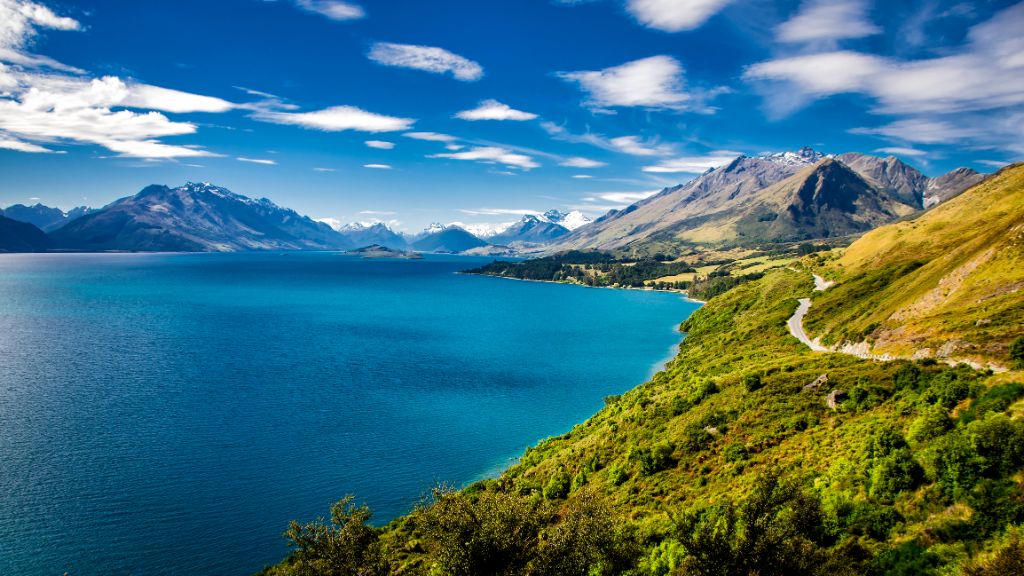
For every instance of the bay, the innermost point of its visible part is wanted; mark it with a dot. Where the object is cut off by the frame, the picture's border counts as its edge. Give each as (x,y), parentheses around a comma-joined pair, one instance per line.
(170,413)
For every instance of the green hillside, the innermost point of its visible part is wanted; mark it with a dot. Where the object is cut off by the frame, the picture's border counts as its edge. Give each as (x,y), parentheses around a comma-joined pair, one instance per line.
(947,283)
(750,454)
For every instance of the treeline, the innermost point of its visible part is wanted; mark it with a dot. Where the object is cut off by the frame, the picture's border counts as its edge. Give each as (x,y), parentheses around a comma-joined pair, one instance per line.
(589,268)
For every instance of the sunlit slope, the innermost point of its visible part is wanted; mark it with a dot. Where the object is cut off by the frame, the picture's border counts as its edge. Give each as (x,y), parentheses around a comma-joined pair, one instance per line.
(947,284)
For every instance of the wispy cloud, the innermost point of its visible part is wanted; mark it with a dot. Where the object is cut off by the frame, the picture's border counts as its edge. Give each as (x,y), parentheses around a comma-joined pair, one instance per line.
(492,155)
(632,145)
(924,131)
(499,211)
(582,176)
(333,9)
(427,58)
(655,82)
(321,169)
(378,166)
(8,143)
(494,110)
(674,15)
(827,21)
(901,151)
(580,162)
(263,161)
(692,164)
(380,144)
(430,136)
(337,119)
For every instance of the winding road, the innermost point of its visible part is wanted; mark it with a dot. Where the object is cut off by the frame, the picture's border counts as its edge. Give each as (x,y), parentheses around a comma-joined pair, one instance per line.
(796,326)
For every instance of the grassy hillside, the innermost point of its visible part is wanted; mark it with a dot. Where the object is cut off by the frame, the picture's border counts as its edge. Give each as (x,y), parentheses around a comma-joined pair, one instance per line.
(947,283)
(731,462)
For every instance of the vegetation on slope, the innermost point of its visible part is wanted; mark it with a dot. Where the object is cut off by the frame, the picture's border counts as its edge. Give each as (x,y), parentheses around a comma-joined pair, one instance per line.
(945,284)
(731,462)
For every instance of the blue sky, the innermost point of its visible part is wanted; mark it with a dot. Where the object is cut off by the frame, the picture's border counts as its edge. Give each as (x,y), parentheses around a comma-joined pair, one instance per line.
(413,111)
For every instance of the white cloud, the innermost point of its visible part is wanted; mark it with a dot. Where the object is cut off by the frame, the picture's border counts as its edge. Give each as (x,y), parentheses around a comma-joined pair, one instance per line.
(499,212)
(333,9)
(426,58)
(377,212)
(319,169)
(828,21)
(256,161)
(993,163)
(579,162)
(157,98)
(18,145)
(494,110)
(20,19)
(50,109)
(337,119)
(620,198)
(674,15)
(380,144)
(693,164)
(901,151)
(655,82)
(634,146)
(582,176)
(986,74)
(430,136)
(378,166)
(922,130)
(493,155)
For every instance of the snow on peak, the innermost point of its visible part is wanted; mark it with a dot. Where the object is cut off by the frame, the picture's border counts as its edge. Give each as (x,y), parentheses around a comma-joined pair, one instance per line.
(801,157)
(485,229)
(570,220)
(434,228)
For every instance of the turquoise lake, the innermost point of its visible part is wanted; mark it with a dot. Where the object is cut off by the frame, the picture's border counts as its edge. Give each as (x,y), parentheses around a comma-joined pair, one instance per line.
(170,413)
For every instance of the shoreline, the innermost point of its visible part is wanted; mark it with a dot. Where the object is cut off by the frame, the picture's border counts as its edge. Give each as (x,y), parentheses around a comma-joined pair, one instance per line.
(645,288)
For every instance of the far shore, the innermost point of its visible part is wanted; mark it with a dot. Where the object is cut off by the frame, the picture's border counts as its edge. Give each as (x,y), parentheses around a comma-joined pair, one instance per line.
(646,288)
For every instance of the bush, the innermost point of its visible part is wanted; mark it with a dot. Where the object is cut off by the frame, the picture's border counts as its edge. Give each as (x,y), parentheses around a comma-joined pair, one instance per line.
(894,473)
(776,531)
(998,440)
(558,485)
(655,459)
(346,546)
(1008,558)
(995,399)
(1017,352)
(752,382)
(932,423)
(954,464)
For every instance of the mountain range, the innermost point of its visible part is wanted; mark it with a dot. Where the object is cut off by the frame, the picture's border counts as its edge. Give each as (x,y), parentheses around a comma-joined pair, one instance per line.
(790,196)
(43,217)
(752,200)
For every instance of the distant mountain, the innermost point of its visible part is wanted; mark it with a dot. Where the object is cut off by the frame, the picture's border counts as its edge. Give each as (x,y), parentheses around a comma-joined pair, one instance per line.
(949,185)
(368,233)
(531,229)
(445,239)
(745,202)
(195,218)
(18,236)
(44,217)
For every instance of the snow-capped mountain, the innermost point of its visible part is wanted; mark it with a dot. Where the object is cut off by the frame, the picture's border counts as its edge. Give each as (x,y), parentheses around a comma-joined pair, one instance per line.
(196,217)
(483,230)
(44,217)
(446,239)
(569,220)
(531,229)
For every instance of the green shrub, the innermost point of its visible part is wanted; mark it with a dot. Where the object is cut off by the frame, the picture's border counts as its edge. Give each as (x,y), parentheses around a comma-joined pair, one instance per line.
(654,459)
(752,382)
(894,473)
(558,485)
(345,546)
(1017,352)
(1000,442)
(932,423)
(1007,559)
(995,399)
(735,452)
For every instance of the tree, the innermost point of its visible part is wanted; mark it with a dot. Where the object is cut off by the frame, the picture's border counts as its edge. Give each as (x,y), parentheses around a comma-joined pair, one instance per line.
(346,546)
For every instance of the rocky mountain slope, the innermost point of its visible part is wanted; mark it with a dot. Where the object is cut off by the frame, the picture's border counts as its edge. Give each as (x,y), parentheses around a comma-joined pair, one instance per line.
(16,236)
(738,204)
(948,284)
(195,218)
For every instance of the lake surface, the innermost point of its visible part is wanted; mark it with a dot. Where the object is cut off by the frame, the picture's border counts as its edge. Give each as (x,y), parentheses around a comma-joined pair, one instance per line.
(169,414)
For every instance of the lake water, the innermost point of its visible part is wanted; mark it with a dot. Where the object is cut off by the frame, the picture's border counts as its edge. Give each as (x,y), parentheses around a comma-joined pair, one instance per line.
(169,414)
